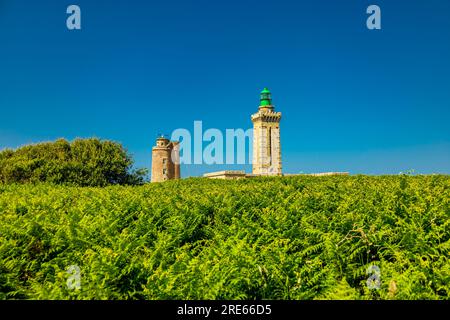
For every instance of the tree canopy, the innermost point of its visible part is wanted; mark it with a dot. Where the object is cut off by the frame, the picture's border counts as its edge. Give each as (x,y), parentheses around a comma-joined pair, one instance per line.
(82,162)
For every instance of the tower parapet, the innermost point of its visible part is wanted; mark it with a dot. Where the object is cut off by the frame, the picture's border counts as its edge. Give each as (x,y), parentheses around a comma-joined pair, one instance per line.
(266,116)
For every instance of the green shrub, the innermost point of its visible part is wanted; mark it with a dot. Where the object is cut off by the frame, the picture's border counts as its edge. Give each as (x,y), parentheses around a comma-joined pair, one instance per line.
(83,162)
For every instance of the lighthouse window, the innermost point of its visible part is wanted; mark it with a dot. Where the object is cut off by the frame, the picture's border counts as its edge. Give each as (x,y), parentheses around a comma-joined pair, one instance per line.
(164,171)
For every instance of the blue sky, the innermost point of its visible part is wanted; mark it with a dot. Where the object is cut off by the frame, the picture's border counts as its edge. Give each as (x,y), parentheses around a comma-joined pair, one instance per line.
(352,99)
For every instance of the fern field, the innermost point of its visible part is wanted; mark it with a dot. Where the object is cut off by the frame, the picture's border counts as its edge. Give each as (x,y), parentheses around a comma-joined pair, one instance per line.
(263,238)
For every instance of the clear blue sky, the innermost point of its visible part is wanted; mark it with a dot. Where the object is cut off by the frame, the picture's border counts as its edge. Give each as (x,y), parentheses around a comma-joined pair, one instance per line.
(352,99)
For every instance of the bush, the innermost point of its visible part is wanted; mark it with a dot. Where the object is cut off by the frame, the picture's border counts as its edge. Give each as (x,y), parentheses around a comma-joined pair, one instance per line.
(83,162)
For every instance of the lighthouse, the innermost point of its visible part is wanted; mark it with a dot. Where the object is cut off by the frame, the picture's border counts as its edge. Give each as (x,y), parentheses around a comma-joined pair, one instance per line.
(266,137)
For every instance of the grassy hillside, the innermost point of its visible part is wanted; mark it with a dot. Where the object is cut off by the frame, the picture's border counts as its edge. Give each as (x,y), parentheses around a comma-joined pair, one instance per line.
(277,238)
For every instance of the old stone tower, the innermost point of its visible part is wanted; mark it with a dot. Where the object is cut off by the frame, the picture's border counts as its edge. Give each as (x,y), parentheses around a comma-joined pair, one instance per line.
(266,137)
(165,160)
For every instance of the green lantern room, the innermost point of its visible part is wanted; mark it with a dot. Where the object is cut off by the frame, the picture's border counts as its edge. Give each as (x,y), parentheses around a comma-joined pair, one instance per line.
(265,98)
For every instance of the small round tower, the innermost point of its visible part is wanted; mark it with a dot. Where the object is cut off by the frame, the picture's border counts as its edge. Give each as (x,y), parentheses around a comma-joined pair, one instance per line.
(164,153)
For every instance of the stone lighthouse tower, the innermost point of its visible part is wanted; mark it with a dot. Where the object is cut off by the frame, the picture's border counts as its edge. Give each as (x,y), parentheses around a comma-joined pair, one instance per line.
(266,137)
(165,160)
